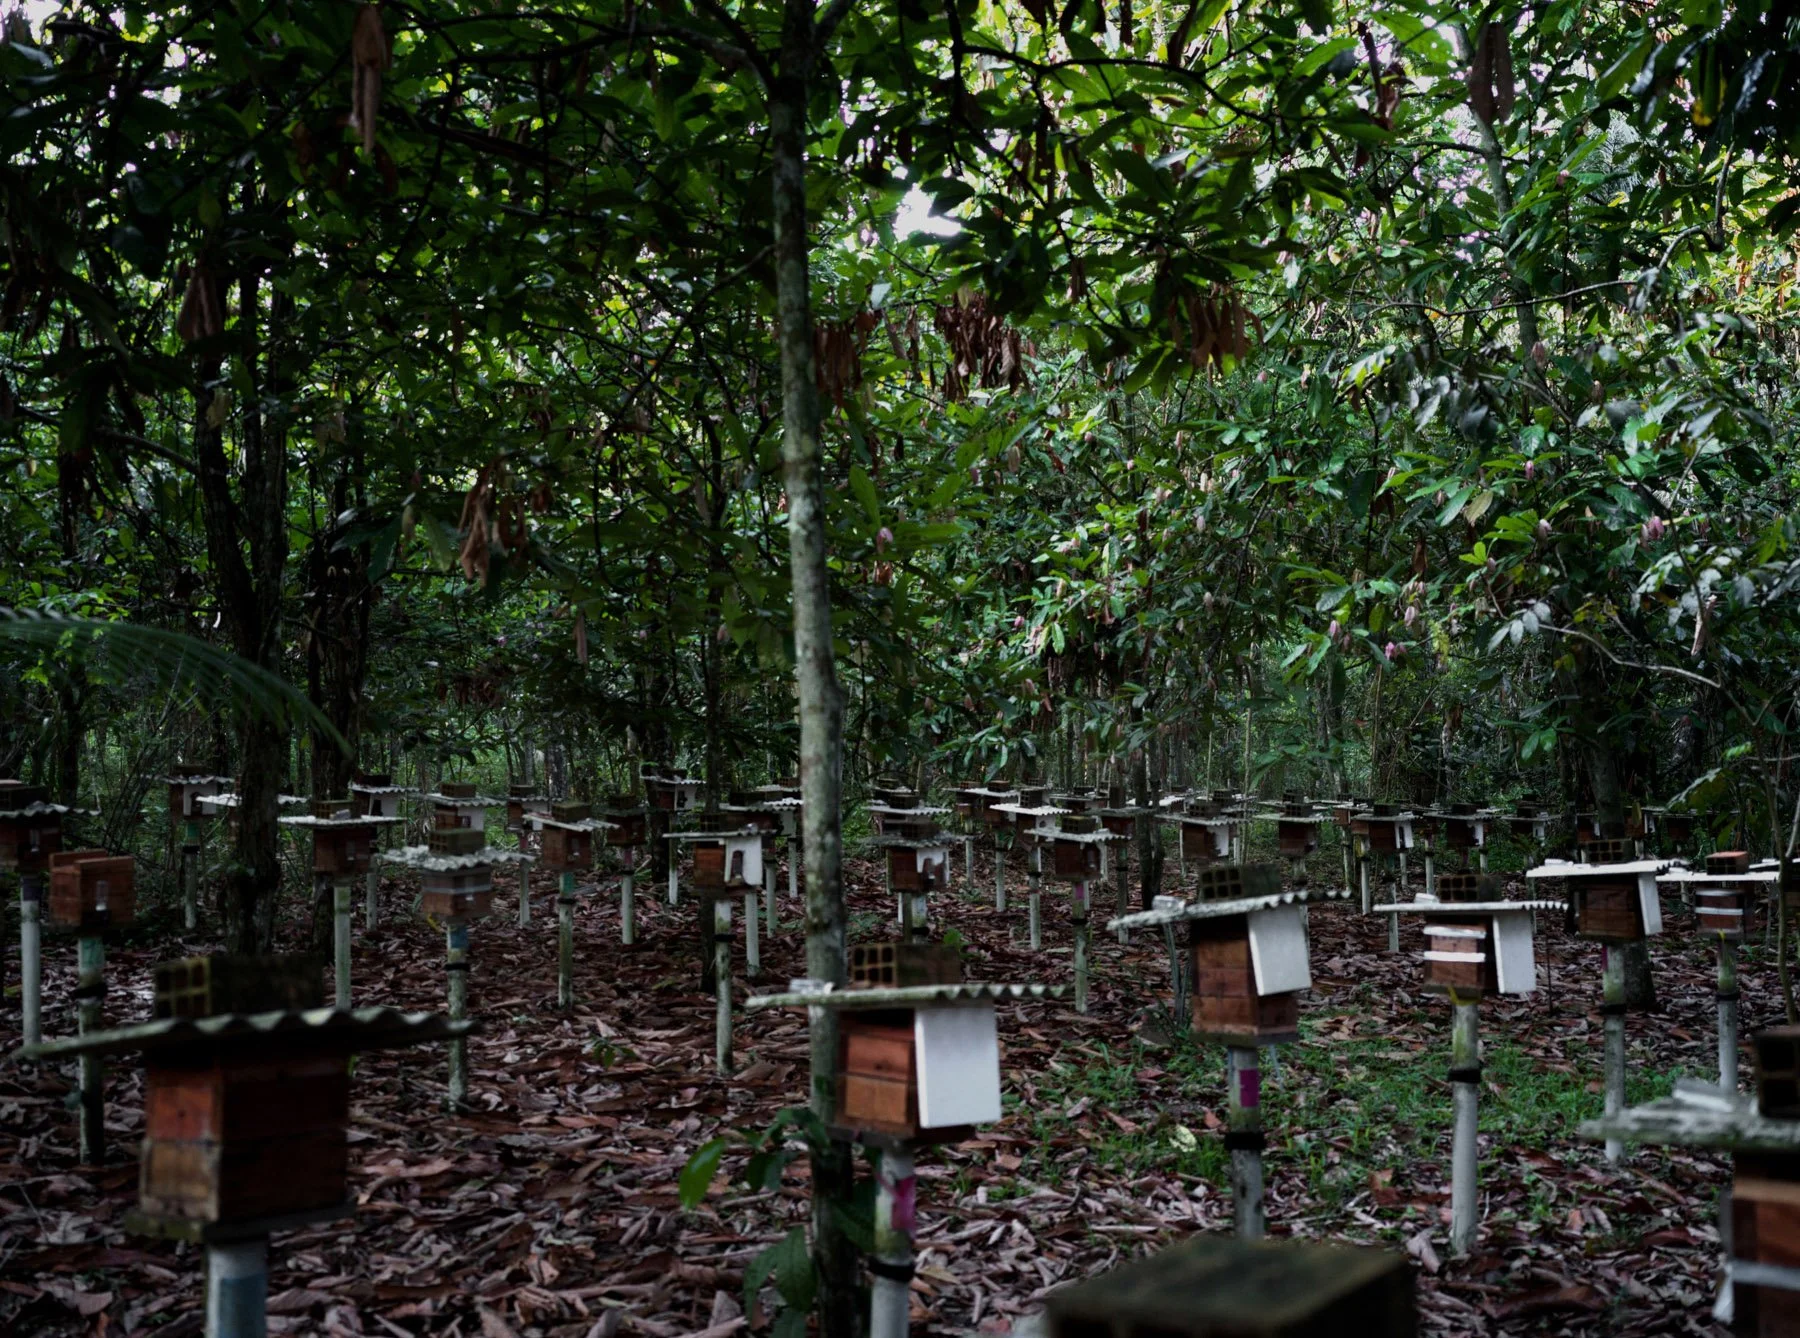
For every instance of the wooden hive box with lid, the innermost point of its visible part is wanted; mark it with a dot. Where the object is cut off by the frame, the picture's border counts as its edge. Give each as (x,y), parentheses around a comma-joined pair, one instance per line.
(1765,1201)
(1075,848)
(246,1094)
(455,881)
(630,821)
(1296,829)
(918,864)
(1250,964)
(1726,907)
(342,846)
(1205,834)
(1215,1287)
(1384,829)
(91,890)
(374,794)
(905,1072)
(187,785)
(30,827)
(732,861)
(456,804)
(1610,902)
(567,847)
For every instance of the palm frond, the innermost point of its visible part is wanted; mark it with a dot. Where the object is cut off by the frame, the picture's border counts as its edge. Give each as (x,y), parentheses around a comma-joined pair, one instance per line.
(217,677)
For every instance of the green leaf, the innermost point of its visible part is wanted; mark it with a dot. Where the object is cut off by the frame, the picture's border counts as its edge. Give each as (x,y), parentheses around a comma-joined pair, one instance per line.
(697,1176)
(864,488)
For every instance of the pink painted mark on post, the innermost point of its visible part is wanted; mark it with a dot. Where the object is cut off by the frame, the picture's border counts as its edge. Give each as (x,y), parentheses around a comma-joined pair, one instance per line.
(1080,895)
(906,1204)
(1249,1088)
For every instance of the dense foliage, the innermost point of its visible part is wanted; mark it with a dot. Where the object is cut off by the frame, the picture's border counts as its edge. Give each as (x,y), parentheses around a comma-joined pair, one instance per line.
(1314,398)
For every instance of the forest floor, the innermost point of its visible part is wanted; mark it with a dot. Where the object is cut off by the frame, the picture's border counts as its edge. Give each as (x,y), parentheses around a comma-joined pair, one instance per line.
(552,1210)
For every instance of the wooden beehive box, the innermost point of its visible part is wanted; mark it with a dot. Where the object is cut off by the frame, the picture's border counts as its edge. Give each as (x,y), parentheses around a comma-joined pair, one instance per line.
(1204,841)
(1490,953)
(920,1074)
(1248,971)
(1072,858)
(1217,1287)
(1679,829)
(1726,907)
(916,867)
(730,864)
(567,850)
(341,848)
(457,893)
(1765,1234)
(1384,831)
(1778,1072)
(1616,908)
(1464,829)
(674,794)
(1296,834)
(27,840)
(631,824)
(91,890)
(455,840)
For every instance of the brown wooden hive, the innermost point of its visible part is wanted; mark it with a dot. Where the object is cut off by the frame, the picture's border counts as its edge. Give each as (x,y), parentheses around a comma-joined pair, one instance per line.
(91,890)
(1765,1229)
(1607,909)
(1226,1005)
(343,850)
(457,893)
(244,1135)
(1471,937)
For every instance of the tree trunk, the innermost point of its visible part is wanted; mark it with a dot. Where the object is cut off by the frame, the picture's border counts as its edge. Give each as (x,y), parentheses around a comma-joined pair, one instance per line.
(821,698)
(1609,804)
(247,546)
(1149,834)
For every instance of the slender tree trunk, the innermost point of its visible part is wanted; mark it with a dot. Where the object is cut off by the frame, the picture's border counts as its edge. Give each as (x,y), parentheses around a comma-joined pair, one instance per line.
(1609,803)
(247,545)
(821,698)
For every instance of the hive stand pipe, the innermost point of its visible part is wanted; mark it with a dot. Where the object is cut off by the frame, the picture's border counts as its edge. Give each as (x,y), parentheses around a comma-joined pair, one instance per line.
(1465,1081)
(1177,976)
(969,863)
(674,875)
(565,940)
(1394,920)
(1034,880)
(90,997)
(999,874)
(190,875)
(1612,1008)
(721,911)
(1344,846)
(1430,874)
(752,942)
(896,1199)
(456,965)
(1123,876)
(524,887)
(31,959)
(1362,875)
(1079,895)
(793,849)
(1728,1015)
(237,1289)
(628,900)
(1244,1140)
(769,915)
(371,898)
(340,943)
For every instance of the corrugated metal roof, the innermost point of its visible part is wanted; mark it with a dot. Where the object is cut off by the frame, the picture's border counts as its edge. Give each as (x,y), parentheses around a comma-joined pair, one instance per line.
(347,820)
(1208,910)
(904,996)
(1557,868)
(1468,907)
(357,1028)
(423,858)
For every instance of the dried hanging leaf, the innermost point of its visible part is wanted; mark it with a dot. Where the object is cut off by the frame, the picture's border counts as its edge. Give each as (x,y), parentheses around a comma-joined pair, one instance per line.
(202,313)
(983,348)
(1490,78)
(369,56)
